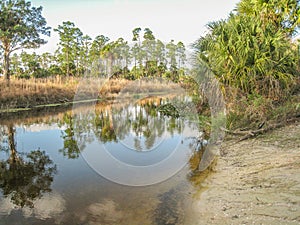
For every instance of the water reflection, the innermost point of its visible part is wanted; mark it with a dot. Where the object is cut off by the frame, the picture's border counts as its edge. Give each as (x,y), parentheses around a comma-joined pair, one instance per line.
(144,121)
(140,126)
(140,142)
(77,195)
(24,177)
(49,206)
(70,148)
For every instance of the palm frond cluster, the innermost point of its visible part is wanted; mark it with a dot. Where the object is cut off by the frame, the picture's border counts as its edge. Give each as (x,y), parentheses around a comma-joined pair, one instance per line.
(252,49)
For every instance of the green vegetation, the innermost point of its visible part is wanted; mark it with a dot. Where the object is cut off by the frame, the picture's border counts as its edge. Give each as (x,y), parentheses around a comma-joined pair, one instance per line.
(20,27)
(252,50)
(254,58)
(78,55)
(251,53)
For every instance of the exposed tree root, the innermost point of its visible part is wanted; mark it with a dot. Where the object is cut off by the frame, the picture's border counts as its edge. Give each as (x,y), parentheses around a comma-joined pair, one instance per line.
(246,134)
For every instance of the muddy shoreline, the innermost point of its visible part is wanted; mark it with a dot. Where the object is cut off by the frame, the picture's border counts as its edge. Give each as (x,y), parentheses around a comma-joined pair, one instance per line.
(256,181)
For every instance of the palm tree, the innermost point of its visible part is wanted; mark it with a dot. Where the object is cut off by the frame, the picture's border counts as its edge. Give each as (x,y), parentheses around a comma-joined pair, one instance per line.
(281,14)
(248,53)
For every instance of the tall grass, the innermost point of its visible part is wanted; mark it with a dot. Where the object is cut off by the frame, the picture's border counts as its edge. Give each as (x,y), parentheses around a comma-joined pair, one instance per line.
(23,93)
(27,93)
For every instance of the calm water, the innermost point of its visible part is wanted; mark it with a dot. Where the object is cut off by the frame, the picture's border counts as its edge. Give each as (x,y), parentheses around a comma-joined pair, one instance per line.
(110,163)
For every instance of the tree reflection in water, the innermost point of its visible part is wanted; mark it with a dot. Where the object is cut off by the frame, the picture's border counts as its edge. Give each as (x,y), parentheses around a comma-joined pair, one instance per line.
(103,126)
(70,147)
(24,177)
(75,137)
(142,123)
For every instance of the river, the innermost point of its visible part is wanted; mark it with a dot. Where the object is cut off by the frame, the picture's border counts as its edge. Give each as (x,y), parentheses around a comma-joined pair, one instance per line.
(124,162)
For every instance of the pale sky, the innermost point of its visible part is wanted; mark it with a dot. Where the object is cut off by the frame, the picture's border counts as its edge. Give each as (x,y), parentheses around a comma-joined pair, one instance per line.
(183,20)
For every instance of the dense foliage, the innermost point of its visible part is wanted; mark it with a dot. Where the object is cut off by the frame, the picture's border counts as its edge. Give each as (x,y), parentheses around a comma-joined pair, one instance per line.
(79,55)
(20,27)
(253,49)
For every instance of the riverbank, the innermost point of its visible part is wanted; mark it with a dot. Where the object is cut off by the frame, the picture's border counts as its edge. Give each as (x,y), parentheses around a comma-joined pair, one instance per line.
(256,181)
(30,93)
(23,94)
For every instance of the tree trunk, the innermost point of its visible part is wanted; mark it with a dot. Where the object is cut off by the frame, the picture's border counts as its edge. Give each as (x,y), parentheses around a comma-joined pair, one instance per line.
(134,67)
(77,67)
(6,71)
(68,69)
(12,144)
(110,67)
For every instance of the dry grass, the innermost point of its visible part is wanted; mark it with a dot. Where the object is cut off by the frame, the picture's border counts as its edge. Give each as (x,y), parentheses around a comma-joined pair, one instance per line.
(250,111)
(22,93)
(28,93)
(150,86)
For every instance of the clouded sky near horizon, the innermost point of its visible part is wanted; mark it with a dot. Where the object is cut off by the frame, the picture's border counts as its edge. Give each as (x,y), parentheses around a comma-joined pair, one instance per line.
(181,20)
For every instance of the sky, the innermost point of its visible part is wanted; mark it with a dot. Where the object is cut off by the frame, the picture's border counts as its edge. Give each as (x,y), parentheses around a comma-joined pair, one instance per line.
(180,20)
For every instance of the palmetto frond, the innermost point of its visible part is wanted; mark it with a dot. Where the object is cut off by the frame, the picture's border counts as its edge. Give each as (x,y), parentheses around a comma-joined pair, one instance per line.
(250,52)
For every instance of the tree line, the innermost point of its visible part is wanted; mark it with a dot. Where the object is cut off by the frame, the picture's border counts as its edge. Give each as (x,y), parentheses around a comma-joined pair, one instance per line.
(22,27)
(251,50)
(79,55)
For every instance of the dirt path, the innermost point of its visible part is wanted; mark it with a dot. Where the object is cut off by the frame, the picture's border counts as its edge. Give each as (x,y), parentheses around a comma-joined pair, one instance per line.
(255,182)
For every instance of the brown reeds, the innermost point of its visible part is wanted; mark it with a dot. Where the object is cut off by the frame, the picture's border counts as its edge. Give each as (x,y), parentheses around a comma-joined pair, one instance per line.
(28,93)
